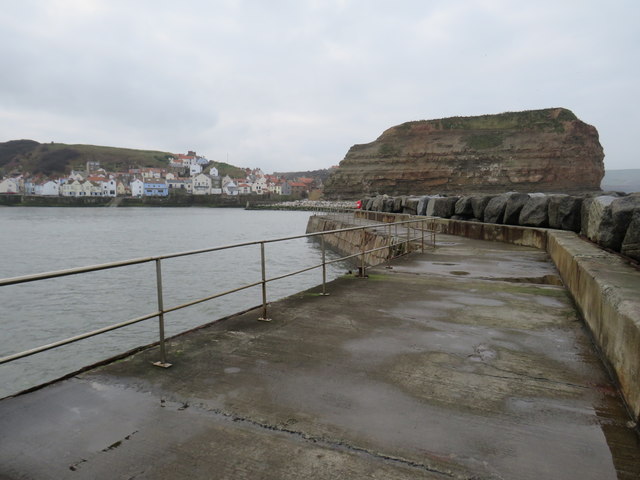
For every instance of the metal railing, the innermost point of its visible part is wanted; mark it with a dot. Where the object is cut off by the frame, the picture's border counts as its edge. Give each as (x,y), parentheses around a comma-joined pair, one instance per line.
(399,243)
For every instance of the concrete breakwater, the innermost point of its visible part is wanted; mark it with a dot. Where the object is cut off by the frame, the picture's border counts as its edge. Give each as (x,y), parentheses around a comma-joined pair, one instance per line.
(377,243)
(611,220)
(604,286)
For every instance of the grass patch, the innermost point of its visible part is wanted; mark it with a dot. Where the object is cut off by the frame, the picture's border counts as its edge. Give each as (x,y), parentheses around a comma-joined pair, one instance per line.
(550,119)
(484,141)
(387,150)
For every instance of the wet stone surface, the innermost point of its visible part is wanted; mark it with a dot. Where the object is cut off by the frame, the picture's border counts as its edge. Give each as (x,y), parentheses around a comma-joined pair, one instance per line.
(414,372)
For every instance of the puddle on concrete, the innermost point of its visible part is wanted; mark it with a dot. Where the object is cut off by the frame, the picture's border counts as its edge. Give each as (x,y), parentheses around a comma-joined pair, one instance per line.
(458,272)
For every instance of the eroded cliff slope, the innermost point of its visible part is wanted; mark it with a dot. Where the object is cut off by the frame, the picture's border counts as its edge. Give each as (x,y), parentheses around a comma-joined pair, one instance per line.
(547,150)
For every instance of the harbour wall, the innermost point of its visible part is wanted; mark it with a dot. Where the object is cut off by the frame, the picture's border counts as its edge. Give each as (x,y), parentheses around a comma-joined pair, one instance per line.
(603,285)
(354,241)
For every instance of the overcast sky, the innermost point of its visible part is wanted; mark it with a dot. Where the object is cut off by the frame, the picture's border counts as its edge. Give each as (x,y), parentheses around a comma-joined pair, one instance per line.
(291,84)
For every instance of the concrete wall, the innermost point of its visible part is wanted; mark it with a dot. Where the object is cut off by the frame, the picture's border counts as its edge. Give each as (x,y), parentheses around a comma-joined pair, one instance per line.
(606,290)
(348,243)
(604,286)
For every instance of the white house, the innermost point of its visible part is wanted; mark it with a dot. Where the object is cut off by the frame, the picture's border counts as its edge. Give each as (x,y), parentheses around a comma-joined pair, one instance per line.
(275,188)
(71,188)
(91,189)
(244,188)
(201,184)
(259,186)
(137,188)
(195,169)
(213,171)
(109,188)
(9,185)
(50,188)
(228,186)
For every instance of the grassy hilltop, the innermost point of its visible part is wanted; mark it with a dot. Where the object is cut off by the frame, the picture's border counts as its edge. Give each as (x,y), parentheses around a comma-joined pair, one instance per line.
(29,156)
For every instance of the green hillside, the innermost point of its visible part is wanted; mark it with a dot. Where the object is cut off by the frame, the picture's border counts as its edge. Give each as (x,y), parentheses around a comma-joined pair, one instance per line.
(28,156)
(228,169)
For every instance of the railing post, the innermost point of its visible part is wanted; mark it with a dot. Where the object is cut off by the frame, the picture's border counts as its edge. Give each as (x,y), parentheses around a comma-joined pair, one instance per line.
(390,243)
(163,352)
(406,250)
(422,230)
(264,317)
(324,267)
(363,270)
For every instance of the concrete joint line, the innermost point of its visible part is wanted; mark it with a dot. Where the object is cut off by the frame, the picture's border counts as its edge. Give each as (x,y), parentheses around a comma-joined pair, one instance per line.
(335,444)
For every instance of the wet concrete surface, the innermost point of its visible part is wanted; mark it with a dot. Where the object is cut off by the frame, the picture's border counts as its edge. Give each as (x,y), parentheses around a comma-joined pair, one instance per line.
(420,371)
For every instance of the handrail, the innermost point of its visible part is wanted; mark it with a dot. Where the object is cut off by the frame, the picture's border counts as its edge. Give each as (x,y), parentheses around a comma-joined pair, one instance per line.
(393,242)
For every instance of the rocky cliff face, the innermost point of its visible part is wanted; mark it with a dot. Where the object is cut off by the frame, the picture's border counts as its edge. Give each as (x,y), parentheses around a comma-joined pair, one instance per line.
(541,150)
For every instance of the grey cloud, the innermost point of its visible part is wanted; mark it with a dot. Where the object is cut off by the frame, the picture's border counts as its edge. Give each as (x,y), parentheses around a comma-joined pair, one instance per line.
(282,83)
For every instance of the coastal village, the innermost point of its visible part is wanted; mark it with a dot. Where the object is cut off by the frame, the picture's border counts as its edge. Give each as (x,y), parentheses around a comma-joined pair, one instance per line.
(185,174)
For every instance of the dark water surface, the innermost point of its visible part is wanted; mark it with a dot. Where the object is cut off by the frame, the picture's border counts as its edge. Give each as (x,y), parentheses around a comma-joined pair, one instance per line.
(35,240)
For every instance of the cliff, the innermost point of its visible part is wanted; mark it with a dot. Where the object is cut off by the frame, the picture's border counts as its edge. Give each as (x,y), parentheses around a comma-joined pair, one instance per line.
(547,150)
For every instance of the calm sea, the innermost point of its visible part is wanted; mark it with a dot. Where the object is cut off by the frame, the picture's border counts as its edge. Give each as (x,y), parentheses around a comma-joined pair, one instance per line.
(35,240)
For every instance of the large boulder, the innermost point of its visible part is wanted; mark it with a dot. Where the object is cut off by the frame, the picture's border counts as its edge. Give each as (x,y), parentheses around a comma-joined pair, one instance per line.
(564,212)
(422,205)
(613,226)
(464,207)
(367,203)
(411,205)
(631,242)
(387,205)
(378,203)
(515,202)
(478,204)
(494,211)
(397,204)
(595,211)
(443,207)
(534,213)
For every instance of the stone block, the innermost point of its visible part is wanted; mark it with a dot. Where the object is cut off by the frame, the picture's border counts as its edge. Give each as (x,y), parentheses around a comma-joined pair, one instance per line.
(378,203)
(478,204)
(494,211)
(387,205)
(534,213)
(367,204)
(422,205)
(614,225)
(411,206)
(564,212)
(444,207)
(631,242)
(397,204)
(515,202)
(595,211)
(464,208)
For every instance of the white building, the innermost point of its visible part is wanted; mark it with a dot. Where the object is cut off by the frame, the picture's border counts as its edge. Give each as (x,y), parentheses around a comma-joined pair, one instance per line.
(195,169)
(71,188)
(137,188)
(9,185)
(228,186)
(50,188)
(259,186)
(109,188)
(201,184)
